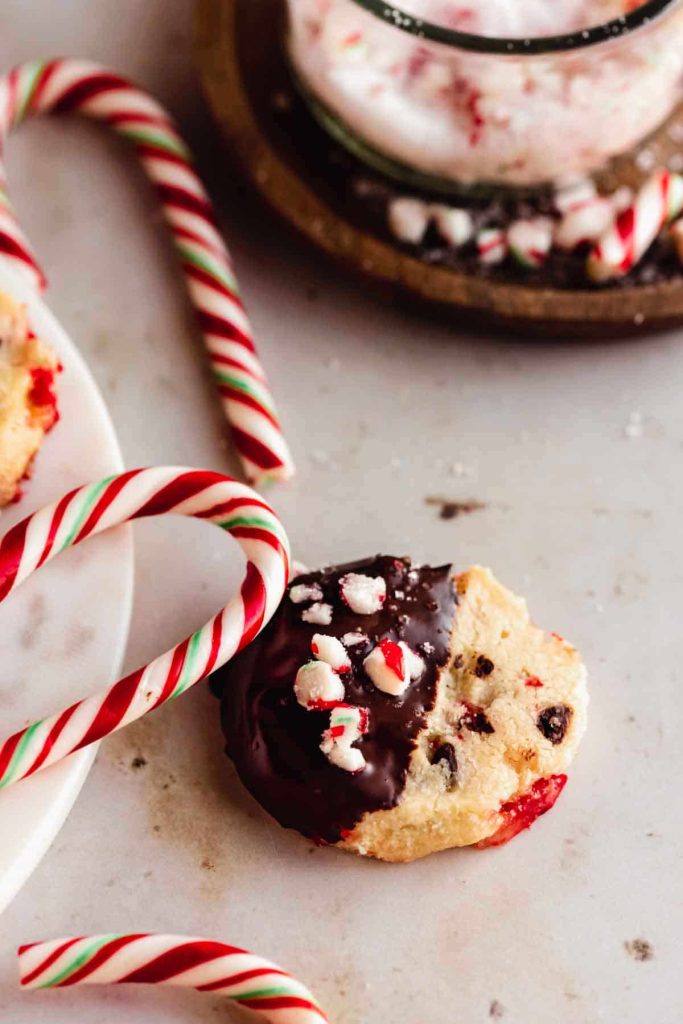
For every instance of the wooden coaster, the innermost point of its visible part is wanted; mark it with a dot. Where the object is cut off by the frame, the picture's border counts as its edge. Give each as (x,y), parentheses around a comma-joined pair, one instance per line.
(238,48)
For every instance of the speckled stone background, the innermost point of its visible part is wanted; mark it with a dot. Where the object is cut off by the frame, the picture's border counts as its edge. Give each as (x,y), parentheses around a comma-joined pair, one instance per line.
(574,453)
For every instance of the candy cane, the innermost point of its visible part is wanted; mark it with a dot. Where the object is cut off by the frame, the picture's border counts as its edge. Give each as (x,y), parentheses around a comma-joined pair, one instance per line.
(657,203)
(75,86)
(90,510)
(201,964)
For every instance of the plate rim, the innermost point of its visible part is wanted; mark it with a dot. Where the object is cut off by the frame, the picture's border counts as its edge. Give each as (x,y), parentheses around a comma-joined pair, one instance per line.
(74,769)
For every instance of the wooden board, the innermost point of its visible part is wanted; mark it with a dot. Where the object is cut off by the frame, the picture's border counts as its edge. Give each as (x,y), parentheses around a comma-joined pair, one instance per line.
(239,54)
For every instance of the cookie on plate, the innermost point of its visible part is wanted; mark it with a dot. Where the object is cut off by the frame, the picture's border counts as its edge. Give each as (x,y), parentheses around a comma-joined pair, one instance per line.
(396,710)
(28,404)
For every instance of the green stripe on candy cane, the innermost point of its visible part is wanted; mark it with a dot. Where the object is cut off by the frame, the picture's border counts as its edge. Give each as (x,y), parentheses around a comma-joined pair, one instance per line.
(97,507)
(73,86)
(202,964)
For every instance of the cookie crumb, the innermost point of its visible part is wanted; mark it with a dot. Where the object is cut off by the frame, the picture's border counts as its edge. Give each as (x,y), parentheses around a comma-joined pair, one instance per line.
(496,1010)
(138,762)
(640,949)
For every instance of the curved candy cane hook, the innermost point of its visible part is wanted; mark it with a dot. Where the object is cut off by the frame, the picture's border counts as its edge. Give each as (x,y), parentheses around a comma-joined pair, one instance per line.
(76,86)
(90,510)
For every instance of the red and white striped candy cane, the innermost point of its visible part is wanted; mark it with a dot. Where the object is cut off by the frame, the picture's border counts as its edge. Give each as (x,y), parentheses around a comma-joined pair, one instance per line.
(622,246)
(207,966)
(76,86)
(90,510)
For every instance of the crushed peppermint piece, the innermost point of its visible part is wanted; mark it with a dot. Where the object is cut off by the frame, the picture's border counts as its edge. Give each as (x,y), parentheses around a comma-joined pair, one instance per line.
(491,246)
(572,196)
(317,684)
(427,647)
(347,725)
(408,219)
(364,595)
(318,614)
(391,666)
(330,650)
(301,592)
(453,224)
(353,639)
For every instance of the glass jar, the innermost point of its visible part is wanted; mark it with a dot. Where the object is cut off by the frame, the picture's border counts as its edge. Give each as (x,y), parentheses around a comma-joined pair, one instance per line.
(443,105)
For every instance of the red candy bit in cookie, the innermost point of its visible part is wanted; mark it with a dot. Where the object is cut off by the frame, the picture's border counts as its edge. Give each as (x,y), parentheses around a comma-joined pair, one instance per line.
(42,396)
(534,681)
(522,812)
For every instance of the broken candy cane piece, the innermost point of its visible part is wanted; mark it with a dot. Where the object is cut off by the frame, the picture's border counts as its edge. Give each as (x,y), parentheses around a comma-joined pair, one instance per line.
(657,203)
(453,225)
(347,725)
(491,246)
(317,684)
(572,196)
(408,219)
(364,595)
(301,592)
(318,614)
(391,666)
(585,223)
(530,241)
(330,650)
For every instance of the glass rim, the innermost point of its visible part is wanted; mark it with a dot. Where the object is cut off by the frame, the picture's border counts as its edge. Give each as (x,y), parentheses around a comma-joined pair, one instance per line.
(517,46)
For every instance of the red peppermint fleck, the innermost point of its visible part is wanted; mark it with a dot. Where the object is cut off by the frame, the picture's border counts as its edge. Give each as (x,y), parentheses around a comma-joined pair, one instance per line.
(534,681)
(336,731)
(558,636)
(521,813)
(352,39)
(393,656)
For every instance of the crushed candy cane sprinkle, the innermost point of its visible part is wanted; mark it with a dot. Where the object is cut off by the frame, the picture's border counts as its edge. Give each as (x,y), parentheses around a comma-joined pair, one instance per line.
(393,666)
(364,595)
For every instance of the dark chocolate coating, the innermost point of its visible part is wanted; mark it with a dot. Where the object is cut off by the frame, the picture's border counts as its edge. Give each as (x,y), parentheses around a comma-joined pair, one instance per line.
(275,743)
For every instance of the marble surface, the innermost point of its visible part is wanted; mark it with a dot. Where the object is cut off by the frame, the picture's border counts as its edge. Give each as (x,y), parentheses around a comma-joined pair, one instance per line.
(574,451)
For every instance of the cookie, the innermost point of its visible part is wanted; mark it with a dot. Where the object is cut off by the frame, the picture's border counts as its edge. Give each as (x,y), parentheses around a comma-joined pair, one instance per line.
(396,710)
(28,405)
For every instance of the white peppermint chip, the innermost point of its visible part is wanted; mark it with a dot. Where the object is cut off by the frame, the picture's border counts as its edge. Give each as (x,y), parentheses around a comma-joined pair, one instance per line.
(491,246)
(347,725)
(391,667)
(586,223)
(364,595)
(414,662)
(315,681)
(408,219)
(318,614)
(454,225)
(353,639)
(301,592)
(571,196)
(330,650)
(350,759)
(386,666)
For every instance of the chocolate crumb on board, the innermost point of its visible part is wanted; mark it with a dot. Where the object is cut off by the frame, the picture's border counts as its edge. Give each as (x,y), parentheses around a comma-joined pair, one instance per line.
(496,1010)
(640,949)
(138,762)
(452,509)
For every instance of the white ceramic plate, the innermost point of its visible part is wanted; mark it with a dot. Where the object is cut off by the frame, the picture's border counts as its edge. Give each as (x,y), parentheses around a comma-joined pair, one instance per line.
(63,632)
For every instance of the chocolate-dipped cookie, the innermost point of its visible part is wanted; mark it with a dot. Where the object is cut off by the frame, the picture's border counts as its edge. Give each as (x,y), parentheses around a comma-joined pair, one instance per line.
(396,710)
